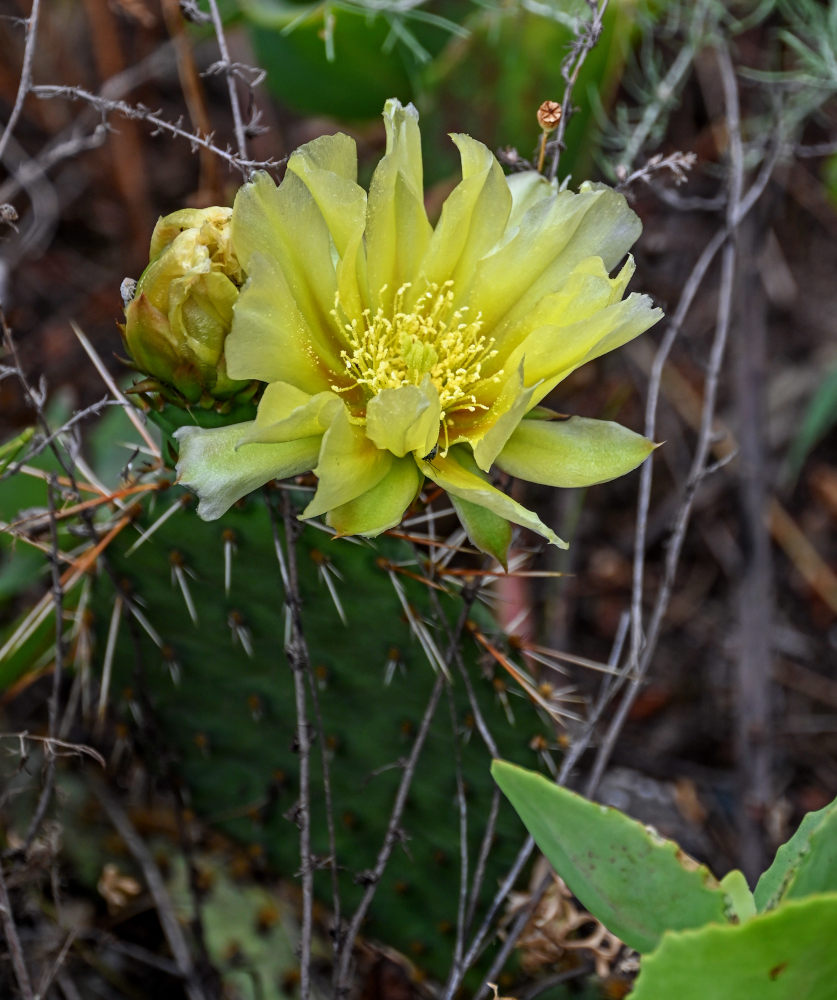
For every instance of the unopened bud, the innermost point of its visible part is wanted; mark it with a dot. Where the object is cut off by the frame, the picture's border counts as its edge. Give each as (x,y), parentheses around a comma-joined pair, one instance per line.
(549,115)
(181,311)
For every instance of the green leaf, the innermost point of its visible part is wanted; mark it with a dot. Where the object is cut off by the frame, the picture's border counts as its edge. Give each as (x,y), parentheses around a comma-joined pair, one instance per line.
(636,882)
(802,858)
(819,418)
(12,448)
(786,954)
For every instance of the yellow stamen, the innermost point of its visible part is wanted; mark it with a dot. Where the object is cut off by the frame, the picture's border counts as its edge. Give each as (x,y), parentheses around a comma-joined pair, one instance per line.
(432,338)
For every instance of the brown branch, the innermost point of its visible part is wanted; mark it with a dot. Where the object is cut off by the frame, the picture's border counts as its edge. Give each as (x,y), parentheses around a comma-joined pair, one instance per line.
(156,886)
(581,48)
(226,65)
(13,941)
(25,82)
(140,112)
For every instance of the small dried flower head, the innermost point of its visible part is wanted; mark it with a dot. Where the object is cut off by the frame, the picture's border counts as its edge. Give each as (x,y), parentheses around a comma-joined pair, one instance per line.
(549,115)
(179,314)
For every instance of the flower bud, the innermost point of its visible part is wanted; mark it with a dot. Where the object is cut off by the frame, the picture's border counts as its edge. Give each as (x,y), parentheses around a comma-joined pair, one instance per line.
(182,309)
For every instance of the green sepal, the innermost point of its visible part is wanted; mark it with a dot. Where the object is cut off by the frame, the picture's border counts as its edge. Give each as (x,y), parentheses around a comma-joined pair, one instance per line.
(458,475)
(171,418)
(571,452)
(220,472)
(487,531)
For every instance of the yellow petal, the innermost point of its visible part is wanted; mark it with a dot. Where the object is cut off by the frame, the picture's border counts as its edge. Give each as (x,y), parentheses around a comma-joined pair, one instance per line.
(381,507)
(212,464)
(328,168)
(501,420)
(271,338)
(285,225)
(473,218)
(554,235)
(550,353)
(348,466)
(405,419)
(285,413)
(397,229)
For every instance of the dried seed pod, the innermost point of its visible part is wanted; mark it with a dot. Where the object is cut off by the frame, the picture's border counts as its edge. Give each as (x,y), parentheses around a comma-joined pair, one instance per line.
(549,115)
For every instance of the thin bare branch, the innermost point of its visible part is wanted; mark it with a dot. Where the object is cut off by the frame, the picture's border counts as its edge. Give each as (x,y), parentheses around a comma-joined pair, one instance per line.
(156,886)
(13,941)
(138,112)
(296,652)
(582,45)
(24,86)
(238,121)
(642,647)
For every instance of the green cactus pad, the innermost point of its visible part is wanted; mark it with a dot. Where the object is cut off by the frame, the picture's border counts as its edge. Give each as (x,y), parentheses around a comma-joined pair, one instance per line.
(786,954)
(217,695)
(806,864)
(636,882)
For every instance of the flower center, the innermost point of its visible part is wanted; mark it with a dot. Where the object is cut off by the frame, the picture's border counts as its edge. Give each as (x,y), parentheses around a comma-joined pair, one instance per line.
(432,338)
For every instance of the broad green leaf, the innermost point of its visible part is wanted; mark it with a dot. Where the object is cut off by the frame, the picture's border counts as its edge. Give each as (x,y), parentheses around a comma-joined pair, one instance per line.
(786,954)
(629,877)
(794,855)
(816,870)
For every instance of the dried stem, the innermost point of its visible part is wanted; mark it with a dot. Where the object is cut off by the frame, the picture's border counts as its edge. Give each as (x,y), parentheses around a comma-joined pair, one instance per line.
(25,83)
(57,672)
(642,649)
(296,651)
(226,66)
(333,865)
(391,838)
(570,759)
(139,112)
(13,940)
(581,48)
(156,886)
(462,806)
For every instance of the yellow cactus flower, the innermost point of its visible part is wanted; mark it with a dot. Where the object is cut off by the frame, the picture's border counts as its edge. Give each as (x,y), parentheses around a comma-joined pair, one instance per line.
(394,351)
(178,319)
